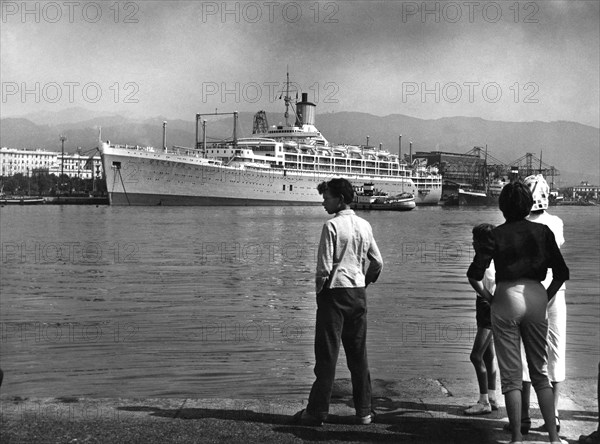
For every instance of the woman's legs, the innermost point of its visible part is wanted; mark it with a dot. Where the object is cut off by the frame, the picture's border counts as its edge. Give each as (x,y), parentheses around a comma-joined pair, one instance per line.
(534,331)
(525,396)
(512,399)
(557,343)
(546,400)
(556,392)
(507,341)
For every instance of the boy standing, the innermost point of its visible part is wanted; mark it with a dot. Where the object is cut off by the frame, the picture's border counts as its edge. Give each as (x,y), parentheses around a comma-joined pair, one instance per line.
(346,244)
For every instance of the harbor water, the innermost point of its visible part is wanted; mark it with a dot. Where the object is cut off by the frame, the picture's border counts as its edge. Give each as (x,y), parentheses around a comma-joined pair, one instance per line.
(103,301)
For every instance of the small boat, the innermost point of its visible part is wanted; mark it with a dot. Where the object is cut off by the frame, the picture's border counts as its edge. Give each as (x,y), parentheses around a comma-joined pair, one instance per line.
(471,197)
(368,198)
(486,197)
(21,200)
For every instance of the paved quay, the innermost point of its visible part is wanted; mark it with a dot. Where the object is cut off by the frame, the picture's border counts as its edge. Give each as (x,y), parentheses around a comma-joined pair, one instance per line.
(409,411)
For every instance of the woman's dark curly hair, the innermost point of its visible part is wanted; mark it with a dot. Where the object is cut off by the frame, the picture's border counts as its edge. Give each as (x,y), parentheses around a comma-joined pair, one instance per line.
(515,201)
(338,188)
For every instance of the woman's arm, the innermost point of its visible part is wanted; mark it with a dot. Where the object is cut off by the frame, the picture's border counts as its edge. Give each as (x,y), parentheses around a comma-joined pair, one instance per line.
(481,290)
(560,271)
(554,287)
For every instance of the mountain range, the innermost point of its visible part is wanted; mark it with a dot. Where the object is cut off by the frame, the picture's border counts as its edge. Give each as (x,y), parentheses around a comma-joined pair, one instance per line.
(572,148)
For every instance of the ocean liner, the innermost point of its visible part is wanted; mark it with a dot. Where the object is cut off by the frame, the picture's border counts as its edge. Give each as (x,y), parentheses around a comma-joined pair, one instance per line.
(275,166)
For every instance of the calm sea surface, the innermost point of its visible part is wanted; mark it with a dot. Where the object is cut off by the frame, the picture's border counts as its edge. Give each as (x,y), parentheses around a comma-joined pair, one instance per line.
(201,302)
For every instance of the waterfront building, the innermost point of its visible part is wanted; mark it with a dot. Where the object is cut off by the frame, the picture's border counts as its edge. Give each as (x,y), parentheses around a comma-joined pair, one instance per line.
(584,191)
(29,162)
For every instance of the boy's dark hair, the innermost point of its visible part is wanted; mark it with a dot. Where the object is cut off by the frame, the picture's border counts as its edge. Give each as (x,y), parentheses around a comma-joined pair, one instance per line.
(338,188)
(481,232)
(515,201)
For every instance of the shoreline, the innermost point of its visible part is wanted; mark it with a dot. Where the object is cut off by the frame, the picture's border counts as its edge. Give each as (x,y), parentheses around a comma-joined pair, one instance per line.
(416,410)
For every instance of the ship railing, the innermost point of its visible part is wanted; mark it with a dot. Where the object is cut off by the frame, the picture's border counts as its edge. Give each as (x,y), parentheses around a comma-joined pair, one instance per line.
(132,147)
(186,151)
(236,162)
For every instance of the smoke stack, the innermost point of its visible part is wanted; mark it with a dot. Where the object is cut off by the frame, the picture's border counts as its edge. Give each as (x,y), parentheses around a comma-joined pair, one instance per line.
(305,111)
(399,147)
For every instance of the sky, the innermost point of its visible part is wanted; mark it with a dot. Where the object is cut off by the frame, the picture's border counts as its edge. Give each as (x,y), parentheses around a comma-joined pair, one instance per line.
(503,60)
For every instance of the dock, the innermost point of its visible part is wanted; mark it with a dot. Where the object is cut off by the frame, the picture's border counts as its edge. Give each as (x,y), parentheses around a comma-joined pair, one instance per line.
(408,411)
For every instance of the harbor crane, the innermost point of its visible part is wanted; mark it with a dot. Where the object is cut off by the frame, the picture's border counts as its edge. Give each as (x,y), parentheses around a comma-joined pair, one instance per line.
(530,164)
(492,167)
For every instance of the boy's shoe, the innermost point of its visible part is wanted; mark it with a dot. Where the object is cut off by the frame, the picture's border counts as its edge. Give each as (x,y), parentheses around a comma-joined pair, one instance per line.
(494,404)
(365,420)
(306,419)
(479,409)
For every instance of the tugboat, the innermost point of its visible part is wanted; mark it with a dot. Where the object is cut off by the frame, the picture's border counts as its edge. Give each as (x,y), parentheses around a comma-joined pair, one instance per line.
(368,198)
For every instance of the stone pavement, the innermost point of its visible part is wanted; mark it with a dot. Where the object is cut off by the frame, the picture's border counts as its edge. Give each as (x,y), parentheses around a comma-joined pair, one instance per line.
(409,411)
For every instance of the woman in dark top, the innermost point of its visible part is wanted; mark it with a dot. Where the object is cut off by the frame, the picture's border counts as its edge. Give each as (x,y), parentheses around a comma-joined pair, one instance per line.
(522,252)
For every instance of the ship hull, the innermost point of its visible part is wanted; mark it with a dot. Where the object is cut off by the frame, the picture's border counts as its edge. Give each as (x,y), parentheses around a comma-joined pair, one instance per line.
(145,199)
(139,177)
(476,199)
(430,195)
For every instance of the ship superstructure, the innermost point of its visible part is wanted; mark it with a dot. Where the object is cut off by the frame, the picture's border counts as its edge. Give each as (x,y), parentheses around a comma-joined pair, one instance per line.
(282,165)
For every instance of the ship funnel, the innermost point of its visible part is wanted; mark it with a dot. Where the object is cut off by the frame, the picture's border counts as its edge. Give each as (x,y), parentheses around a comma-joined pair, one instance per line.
(305,111)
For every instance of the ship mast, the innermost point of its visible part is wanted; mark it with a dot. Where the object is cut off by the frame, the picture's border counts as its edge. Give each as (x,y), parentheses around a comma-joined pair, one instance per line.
(287,98)
(216,113)
(486,175)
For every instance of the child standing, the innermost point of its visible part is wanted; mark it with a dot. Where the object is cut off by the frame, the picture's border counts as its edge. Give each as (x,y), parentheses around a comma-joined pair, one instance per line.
(483,354)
